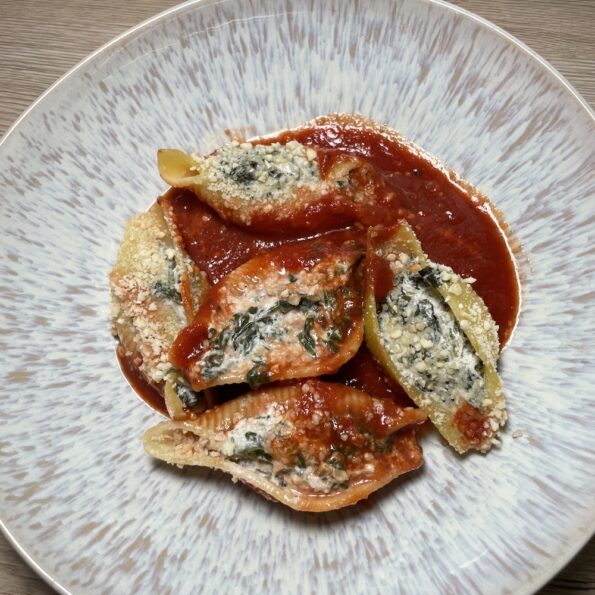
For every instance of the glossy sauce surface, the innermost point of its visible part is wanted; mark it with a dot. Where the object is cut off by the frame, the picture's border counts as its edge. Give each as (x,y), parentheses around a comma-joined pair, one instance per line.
(215,246)
(362,372)
(453,228)
(147,392)
(347,429)
(456,228)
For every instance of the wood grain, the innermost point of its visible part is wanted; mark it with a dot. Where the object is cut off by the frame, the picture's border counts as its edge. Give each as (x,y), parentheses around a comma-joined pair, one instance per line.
(41,39)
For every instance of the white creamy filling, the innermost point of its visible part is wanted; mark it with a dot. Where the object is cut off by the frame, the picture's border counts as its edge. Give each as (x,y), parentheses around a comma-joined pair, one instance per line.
(427,345)
(262,172)
(250,436)
(273,318)
(248,445)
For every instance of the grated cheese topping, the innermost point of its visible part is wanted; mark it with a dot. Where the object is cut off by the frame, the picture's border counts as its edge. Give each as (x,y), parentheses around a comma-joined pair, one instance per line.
(146,308)
(274,319)
(262,172)
(248,443)
(426,342)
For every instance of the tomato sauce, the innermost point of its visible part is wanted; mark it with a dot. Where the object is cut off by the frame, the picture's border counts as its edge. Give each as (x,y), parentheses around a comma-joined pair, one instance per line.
(456,227)
(362,372)
(147,392)
(380,276)
(347,430)
(471,422)
(215,246)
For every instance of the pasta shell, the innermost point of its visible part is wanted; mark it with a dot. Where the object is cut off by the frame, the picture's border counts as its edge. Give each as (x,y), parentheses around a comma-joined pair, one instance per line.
(272,186)
(313,446)
(293,312)
(146,308)
(433,335)
(155,287)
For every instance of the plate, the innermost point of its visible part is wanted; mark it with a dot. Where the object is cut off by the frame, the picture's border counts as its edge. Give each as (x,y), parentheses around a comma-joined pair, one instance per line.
(82,502)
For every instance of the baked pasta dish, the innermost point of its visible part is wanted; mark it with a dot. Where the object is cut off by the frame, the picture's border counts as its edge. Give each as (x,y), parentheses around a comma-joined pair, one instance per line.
(299,305)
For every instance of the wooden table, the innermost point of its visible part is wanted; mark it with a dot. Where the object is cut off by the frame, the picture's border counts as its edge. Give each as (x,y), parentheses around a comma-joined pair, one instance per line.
(41,39)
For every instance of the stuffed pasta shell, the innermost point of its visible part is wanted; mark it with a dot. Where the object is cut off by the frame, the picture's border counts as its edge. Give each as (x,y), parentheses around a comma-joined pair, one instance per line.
(155,287)
(434,335)
(313,446)
(293,312)
(275,188)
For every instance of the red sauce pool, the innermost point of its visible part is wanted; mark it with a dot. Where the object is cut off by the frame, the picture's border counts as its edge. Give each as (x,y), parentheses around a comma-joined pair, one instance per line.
(215,246)
(454,229)
(147,392)
(362,372)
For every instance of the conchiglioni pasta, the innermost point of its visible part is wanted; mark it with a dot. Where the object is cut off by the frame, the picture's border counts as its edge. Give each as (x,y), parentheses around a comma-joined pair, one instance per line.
(264,186)
(154,286)
(313,446)
(293,312)
(434,335)
(280,300)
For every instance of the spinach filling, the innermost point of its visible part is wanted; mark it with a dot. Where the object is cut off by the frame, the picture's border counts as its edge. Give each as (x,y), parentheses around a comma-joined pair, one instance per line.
(166,288)
(247,329)
(251,449)
(188,397)
(426,341)
(329,474)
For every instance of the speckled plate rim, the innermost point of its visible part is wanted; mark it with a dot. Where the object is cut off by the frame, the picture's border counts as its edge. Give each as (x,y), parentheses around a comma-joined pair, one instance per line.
(547,573)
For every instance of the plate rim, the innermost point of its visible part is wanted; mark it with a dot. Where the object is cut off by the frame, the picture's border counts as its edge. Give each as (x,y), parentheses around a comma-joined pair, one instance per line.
(557,563)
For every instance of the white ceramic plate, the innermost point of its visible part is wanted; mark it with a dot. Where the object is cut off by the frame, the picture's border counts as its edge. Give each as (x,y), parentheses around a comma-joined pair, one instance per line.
(82,502)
